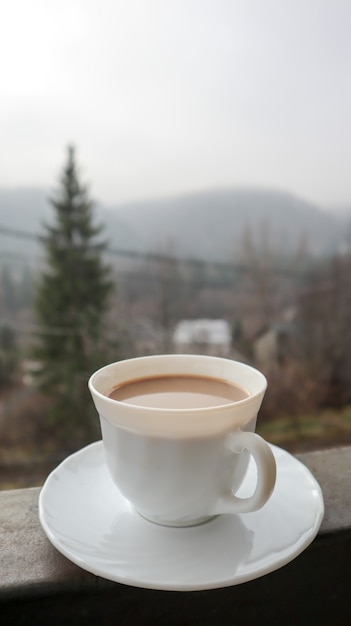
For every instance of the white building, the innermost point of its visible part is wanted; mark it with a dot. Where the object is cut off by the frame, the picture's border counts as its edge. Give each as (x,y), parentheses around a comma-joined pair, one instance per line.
(205,335)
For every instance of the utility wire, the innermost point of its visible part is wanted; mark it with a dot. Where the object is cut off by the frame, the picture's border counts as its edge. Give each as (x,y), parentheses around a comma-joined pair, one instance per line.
(133,254)
(157,257)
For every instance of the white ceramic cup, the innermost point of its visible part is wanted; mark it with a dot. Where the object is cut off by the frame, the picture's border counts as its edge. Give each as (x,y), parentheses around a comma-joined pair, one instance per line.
(179,467)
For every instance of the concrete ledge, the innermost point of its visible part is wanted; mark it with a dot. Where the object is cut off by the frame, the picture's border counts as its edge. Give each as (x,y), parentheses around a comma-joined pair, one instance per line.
(38,585)
(332,469)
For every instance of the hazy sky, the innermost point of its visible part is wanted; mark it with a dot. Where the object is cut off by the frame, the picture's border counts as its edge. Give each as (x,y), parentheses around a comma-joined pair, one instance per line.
(167,96)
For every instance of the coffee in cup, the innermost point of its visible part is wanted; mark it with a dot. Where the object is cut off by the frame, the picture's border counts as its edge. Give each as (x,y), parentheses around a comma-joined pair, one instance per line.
(178,392)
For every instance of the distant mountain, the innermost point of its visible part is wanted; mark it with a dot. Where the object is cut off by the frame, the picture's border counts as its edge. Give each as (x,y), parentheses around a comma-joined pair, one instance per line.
(210,225)
(27,210)
(23,208)
(204,225)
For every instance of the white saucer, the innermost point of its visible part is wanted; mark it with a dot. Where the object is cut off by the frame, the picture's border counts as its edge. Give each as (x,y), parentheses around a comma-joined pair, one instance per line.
(88,520)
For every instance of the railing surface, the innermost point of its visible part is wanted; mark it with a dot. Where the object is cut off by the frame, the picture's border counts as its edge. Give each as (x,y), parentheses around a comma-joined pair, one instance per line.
(40,586)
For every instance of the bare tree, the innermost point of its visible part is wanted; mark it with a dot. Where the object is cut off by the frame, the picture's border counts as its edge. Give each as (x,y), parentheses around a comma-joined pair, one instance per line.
(324,330)
(272,273)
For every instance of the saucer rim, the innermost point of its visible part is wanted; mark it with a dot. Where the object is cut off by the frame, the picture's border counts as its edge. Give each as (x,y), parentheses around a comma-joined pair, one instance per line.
(299,546)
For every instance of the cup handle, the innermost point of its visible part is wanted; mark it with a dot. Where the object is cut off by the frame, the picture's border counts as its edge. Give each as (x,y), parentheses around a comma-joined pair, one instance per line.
(266,474)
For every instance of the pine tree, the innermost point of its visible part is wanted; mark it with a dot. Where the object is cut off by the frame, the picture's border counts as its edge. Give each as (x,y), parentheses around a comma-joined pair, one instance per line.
(71,305)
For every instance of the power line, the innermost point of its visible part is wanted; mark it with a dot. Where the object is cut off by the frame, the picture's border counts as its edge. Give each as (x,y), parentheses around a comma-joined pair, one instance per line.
(19,234)
(157,257)
(39,330)
(133,254)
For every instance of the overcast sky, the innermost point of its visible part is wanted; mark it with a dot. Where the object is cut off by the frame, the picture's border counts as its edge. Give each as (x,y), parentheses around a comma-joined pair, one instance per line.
(169,96)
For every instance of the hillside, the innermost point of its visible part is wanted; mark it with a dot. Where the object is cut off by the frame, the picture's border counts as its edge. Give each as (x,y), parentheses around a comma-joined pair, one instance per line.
(205,225)
(211,224)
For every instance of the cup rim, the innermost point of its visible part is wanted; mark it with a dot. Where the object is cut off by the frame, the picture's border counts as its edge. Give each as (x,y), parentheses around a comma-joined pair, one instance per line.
(174,357)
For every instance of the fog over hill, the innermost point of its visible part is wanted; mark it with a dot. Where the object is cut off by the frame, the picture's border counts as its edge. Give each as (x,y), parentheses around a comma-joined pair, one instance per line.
(205,225)
(211,224)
